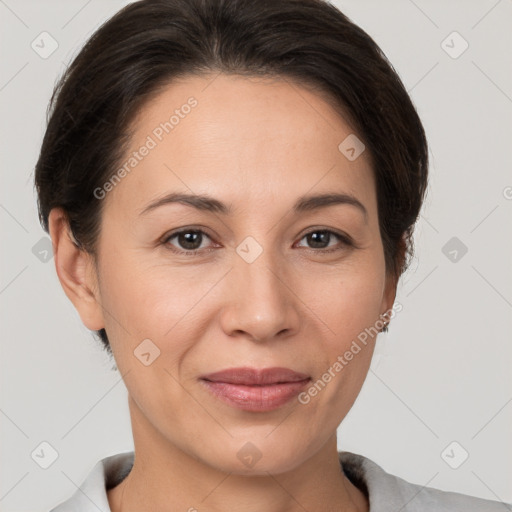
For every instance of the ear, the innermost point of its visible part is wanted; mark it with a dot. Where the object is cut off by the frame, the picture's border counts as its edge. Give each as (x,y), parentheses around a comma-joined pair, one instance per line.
(76,271)
(391,285)
(389,295)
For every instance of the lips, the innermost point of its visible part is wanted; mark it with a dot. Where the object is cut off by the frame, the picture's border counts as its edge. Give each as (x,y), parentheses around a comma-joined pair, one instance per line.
(256,377)
(256,390)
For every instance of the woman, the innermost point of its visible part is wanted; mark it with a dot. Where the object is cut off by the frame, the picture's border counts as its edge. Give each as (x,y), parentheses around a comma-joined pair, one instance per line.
(231,189)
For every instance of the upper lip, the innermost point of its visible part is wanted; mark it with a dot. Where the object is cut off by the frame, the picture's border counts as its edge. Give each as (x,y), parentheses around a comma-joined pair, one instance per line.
(255,376)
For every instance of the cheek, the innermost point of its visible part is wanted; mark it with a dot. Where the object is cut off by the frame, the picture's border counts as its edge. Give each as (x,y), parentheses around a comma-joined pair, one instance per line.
(348,300)
(151,324)
(161,303)
(350,307)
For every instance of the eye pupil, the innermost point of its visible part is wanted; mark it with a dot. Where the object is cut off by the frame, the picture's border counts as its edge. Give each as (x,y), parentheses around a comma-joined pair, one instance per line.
(319,237)
(186,239)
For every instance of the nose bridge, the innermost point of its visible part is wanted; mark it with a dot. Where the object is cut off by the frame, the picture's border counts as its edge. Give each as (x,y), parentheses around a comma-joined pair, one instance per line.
(262,305)
(258,277)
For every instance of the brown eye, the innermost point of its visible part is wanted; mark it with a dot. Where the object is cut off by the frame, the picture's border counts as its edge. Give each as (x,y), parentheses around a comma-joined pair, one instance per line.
(321,238)
(189,241)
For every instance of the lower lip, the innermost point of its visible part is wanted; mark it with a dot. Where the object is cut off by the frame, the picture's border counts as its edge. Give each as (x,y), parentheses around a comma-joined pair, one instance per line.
(256,398)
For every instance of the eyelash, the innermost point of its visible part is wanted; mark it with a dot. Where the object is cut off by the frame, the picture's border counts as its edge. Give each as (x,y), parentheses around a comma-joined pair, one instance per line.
(346,241)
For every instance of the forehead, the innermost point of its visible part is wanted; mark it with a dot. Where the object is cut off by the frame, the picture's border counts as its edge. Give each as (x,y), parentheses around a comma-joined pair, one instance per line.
(255,141)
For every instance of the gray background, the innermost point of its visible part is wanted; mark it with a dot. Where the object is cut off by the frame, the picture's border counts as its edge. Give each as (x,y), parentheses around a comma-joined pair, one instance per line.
(442,373)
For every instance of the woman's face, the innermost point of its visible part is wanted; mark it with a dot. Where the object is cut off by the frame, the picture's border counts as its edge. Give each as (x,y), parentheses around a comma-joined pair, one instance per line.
(268,286)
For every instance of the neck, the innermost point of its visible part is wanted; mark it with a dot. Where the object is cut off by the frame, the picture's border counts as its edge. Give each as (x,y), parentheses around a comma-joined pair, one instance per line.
(164,478)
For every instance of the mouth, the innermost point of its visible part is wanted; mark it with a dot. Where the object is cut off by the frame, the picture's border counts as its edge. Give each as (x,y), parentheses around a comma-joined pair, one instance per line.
(256,390)
(256,377)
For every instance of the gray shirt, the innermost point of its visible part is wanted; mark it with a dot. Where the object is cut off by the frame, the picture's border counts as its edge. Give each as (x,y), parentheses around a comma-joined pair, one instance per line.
(385,492)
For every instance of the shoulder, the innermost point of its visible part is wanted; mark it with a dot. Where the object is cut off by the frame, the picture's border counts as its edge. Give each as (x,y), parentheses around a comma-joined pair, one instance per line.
(92,496)
(387,492)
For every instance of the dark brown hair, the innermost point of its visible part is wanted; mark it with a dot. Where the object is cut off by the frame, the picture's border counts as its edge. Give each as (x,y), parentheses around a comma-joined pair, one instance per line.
(149,43)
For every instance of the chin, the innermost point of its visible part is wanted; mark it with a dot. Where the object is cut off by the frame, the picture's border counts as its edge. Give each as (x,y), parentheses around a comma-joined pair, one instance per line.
(258,458)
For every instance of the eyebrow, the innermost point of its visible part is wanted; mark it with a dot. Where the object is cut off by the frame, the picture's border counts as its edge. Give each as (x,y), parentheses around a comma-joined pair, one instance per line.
(207,203)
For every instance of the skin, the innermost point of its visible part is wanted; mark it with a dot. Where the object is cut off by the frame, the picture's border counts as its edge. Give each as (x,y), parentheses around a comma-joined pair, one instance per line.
(257,145)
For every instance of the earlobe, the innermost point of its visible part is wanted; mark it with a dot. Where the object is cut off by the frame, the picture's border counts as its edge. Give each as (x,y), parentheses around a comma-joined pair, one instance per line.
(75,271)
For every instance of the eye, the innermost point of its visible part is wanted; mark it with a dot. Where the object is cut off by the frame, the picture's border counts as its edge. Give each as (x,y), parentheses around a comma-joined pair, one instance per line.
(320,237)
(190,240)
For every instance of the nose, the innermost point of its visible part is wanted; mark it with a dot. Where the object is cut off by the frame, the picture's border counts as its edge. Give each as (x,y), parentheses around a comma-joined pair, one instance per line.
(260,303)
